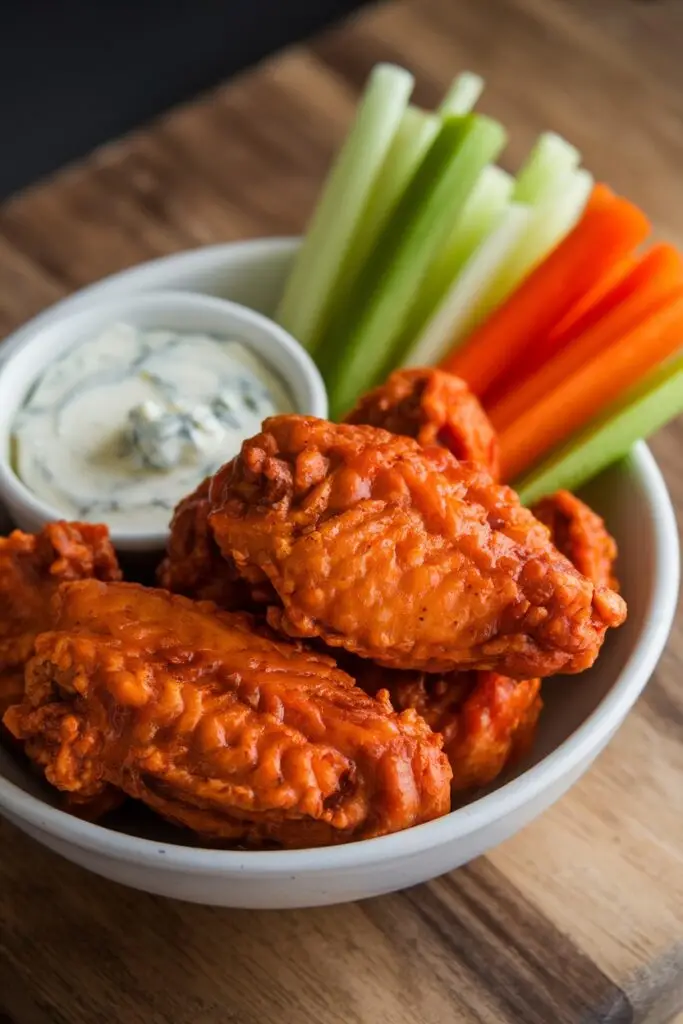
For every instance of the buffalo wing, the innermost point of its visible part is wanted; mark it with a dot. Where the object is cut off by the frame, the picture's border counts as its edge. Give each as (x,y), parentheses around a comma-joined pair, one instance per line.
(32,566)
(193,564)
(486,720)
(434,407)
(580,534)
(218,726)
(402,554)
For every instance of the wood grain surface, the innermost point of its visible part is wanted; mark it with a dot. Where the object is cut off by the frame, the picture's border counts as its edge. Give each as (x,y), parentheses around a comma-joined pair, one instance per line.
(580,917)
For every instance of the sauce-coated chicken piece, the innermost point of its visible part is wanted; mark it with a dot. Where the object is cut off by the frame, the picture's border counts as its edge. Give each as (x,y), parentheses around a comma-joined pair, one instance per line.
(428,404)
(193,565)
(434,407)
(402,554)
(487,720)
(219,727)
(580,534)
(32,566)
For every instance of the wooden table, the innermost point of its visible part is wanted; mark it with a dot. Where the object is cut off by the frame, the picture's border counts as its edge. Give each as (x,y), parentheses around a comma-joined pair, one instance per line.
(579,918)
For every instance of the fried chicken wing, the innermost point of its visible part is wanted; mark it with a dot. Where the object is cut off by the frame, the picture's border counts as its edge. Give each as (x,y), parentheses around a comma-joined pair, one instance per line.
(580,534)
(32,566)
(434,407)
(427,404)
(487,720)
(218,726)
(402,554)
(193,564)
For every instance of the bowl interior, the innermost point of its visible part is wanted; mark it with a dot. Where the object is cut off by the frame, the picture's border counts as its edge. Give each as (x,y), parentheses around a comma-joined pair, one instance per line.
(623,495)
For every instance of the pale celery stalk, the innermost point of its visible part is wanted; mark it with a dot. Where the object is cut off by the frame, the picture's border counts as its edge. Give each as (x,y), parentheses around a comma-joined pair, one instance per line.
(550,160)
(343,201)
(550,222)
(462,95)
(642,412)
(447,326)
(362,344)
(482,210)
(479,216)
(415,134)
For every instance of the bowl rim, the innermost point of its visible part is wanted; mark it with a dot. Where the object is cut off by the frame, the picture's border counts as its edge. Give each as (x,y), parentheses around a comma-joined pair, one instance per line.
(483,812)
(107,308)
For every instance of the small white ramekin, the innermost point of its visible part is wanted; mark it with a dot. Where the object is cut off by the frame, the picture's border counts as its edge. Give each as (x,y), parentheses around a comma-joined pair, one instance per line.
(178,311)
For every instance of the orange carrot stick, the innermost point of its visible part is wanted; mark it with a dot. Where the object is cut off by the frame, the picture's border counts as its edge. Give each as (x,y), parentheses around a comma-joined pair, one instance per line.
(515,392)
(594,297)
(571,325)
(582,396)
(609,229)
(661,261)
(666,280)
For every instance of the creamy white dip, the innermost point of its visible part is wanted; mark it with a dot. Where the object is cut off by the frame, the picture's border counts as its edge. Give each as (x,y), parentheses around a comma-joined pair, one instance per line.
(121,426)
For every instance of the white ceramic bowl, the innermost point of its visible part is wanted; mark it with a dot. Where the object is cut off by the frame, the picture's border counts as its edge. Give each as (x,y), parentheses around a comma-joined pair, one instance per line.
(61,328)
(580,715)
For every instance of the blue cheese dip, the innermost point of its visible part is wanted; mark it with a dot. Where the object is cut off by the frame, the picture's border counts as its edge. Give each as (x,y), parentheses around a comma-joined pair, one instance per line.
(120,427)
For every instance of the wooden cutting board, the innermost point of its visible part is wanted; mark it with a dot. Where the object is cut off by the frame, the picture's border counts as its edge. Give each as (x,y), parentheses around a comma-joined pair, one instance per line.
(579,918)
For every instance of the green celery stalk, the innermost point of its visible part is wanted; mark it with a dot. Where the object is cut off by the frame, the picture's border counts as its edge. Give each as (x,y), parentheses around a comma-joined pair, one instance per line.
(415,134)
(550,161)
(361,346)
(488,199)
(343,201)
(445,328)
(480,215)
(550,222)
(642,412)
(462,95)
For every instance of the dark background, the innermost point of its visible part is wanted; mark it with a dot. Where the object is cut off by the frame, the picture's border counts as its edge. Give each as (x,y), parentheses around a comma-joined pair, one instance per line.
(75,73)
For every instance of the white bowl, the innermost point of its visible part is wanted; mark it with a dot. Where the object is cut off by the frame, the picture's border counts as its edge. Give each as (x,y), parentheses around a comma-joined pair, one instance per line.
(64,326)
(580,715)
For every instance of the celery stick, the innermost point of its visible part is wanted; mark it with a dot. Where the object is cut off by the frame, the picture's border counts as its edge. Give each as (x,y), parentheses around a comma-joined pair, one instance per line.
(455,310)
(360,345)
(550,159)
(480,214)
(647,408)
(415,134)
(482,210)
(343,201)
(551,221)
(462,95)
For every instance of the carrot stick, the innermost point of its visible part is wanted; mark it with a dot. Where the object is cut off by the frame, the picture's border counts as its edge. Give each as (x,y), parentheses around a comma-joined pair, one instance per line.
(610,228)
(594,297)
(520,388)
(583,395)
(661,261)
(666,280)
(571,325)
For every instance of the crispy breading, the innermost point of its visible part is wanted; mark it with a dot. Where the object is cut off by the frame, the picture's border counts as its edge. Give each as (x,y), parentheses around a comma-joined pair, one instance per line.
(32,566)
(434,407)
(218,726)
(402,554)
(580,534)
